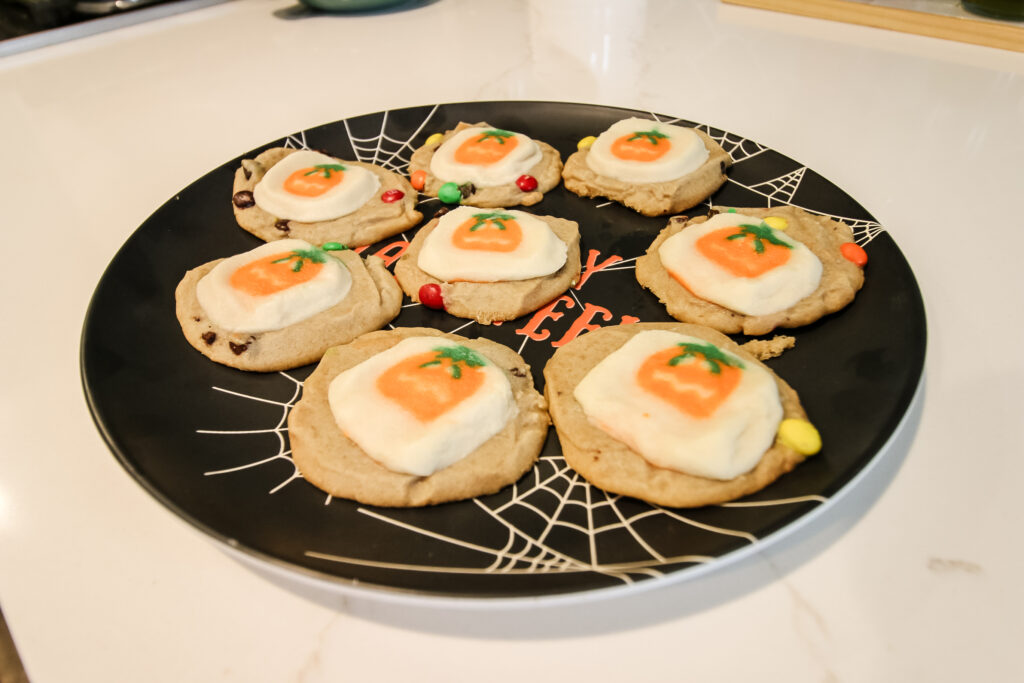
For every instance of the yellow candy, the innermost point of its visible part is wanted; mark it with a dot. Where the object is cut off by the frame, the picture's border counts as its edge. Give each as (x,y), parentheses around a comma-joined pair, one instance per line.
(800,435)
(435,138)
(586,142)
(777,222)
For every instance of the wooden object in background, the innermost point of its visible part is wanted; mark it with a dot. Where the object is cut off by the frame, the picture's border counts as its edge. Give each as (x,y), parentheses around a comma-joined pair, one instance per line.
(899,16)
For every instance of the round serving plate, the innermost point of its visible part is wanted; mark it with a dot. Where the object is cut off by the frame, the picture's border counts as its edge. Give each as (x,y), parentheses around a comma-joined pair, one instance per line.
(211,443)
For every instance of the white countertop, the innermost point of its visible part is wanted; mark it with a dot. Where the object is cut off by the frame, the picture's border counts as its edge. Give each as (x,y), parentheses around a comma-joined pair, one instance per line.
(915,575)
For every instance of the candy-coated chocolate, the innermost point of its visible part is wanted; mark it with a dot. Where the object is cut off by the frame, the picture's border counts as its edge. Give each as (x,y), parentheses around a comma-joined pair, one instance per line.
(586,142)
(450,193)
(430,296)
(434,139)
(854,253)
(776,222)
(418,180)
(526,183)
(392,196)
(800,435)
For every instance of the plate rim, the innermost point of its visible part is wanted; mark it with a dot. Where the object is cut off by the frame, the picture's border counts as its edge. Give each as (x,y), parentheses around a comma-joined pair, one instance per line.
(910,397)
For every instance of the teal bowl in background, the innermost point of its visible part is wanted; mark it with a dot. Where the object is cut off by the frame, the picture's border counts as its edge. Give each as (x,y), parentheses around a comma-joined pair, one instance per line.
(351,5)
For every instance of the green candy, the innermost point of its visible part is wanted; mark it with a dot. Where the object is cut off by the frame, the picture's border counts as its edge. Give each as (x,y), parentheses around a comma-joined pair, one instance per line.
(333,246)
(450,193)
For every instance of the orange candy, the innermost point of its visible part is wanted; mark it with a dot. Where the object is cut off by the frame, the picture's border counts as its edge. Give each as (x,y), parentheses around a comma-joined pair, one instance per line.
(691,386)
(314,180)
(740,256)
(426,386)
(496,232)
(642,146)
(418,180)
(272,274)
(487,148)
(854,253)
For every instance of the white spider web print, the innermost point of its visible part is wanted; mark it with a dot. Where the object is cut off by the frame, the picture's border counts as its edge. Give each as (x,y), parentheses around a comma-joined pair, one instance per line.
(779,190)
(740,149)
(782,190)
(552,493)
(553,497)
(393,151)
(382,149)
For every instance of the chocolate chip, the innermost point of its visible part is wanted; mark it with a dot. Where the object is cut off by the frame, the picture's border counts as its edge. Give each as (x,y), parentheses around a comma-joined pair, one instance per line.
(237,349)
(244,199)
(196,318)
(518,372)
(713,212)
(282,225)
(246,172)
(209,337)
(442,211)
(467,189)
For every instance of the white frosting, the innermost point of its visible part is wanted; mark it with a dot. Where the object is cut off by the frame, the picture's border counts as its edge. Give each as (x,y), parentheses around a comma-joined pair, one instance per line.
(540,253)
(395,437)
(685,155)
(521,159)
(357,186)
(771,292)
(728,443)
(239,311)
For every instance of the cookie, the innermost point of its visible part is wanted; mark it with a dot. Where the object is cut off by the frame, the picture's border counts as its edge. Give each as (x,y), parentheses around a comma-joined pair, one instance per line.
(486,167)
(261,330)
(674,428)
(714,284)
(318,198)
(333,462)
(652,167)
(491,265)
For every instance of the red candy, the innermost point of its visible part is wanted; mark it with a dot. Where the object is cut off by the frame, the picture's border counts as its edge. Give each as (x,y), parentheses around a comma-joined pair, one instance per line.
(418,180)
(526,183)
(392,196)
(430,296)
(854,253)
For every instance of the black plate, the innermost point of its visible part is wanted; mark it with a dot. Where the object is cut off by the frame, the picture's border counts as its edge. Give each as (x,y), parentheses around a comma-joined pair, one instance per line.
(211,443)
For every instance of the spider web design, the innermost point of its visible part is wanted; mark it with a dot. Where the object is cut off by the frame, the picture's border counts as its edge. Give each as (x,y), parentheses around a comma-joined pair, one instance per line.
(278,430)
(383,149)
(739,148)
(782,189)
(393,151)
(553,481)
(778,190)
(553,499)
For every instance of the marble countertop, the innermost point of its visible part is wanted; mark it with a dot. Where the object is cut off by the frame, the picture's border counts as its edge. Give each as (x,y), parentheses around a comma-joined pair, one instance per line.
(913,575)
